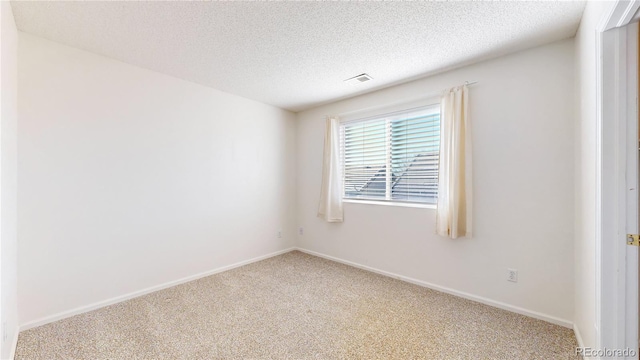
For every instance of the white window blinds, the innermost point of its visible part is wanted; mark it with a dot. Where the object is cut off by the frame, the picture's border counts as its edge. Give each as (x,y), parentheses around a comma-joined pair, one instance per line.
(392,157)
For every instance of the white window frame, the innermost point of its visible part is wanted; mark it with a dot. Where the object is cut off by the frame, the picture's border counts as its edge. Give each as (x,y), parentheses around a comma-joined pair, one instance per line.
(378,112)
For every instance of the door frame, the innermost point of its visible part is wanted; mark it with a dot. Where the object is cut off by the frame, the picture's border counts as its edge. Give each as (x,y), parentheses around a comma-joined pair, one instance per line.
(616,178)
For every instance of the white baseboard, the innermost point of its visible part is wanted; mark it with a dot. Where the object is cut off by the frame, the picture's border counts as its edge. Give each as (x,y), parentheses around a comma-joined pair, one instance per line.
(14,345)
(97,305)
(480,299)
(117,299)
(576,331)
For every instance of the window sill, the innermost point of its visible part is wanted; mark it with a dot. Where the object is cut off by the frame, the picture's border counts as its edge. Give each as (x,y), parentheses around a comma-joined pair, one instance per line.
(390,203)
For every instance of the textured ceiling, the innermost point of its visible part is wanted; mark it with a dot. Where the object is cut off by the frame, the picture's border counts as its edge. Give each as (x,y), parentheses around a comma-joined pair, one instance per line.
(295,55)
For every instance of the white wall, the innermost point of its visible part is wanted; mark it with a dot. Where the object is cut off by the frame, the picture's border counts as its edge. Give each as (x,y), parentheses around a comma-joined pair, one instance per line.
(8,173)
(130,179)
(522,112)
(585,174)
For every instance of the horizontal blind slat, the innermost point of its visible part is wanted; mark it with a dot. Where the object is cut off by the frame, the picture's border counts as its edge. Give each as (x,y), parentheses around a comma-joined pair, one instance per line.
(409,144)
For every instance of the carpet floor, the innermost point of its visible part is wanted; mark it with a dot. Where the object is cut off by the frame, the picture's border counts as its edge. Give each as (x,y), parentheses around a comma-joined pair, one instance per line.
(297,306)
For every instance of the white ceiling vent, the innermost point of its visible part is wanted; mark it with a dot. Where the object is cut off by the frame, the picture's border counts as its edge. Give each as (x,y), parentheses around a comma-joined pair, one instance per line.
(359,79)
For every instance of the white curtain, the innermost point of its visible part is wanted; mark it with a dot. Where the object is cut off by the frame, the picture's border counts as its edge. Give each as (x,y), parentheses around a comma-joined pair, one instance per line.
(453,215)
(330,207)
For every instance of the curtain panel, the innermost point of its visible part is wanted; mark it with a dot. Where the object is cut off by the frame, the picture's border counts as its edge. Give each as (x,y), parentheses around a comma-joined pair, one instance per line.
(453,214)
(330,207)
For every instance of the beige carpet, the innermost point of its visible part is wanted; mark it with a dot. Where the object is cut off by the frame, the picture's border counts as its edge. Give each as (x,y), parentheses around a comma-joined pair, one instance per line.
(297,306)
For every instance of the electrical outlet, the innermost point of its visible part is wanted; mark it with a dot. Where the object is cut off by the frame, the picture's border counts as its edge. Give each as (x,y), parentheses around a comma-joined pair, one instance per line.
(301,231)
(279,234)
(512,275)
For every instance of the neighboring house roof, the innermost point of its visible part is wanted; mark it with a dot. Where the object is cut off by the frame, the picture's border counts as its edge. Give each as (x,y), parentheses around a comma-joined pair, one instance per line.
(417,181)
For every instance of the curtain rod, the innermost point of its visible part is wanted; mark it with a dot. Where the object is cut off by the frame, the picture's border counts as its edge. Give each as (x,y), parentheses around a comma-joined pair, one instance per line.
(422,96)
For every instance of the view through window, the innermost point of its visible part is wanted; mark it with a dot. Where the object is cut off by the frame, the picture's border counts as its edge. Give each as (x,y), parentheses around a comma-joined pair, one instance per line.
(392,157)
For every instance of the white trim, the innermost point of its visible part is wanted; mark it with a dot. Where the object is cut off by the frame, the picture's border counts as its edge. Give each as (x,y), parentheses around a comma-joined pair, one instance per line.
(483,300)
(611,95)
(629,13)
(576,332)
(14,345)
(480,299)
(390,203)
(598,195)
(117,299)
(609,207)
(619,15)
(628,275)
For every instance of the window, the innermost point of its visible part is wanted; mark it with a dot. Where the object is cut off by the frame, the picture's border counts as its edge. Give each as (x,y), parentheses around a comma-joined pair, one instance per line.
(392,157)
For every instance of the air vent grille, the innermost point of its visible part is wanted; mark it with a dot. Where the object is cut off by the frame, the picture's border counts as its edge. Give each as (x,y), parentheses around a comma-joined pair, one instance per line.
(359,79)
